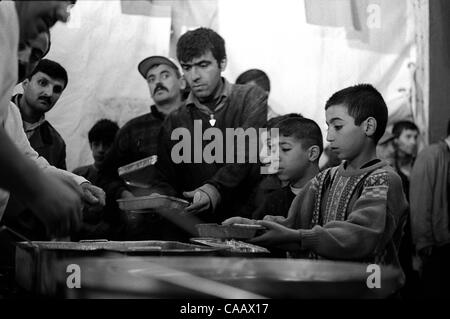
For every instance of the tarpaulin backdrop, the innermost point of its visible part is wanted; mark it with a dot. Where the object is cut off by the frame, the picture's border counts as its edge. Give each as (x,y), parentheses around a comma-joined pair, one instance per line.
(309,48)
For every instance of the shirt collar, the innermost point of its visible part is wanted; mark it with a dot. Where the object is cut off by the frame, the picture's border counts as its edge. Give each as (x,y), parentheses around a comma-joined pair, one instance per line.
(156,113)
(29,128)
(226,92)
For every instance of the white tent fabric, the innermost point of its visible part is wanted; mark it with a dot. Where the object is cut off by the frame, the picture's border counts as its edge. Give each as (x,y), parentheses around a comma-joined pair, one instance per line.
(101,48)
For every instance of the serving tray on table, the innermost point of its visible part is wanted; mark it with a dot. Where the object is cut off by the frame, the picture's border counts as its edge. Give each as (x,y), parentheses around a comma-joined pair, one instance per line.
(34,261)
(233,248)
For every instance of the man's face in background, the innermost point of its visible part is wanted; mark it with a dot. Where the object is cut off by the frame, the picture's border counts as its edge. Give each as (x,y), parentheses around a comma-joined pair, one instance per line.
(39,16)
(29,55)
(407,142)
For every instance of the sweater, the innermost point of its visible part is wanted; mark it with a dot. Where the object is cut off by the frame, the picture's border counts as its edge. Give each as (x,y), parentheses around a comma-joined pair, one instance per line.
(429,194)
(357,215)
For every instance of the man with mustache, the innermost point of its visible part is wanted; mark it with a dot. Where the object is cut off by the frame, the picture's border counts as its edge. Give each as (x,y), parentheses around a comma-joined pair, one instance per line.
(54,198)
(41,90)
(137,139)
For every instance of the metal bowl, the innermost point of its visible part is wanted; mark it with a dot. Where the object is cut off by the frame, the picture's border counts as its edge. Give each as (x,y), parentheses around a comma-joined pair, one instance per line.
(236,231)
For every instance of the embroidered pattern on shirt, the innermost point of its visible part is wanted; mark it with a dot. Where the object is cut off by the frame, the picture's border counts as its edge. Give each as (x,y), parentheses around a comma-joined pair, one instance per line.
(376,186)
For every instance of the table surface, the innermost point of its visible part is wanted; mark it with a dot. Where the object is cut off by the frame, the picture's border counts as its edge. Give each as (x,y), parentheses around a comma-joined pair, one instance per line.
(179,277)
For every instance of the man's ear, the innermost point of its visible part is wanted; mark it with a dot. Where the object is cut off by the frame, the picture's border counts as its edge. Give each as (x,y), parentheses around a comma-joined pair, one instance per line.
(25,84)
(182,82)
(370,126)
(313,153)
(223,64)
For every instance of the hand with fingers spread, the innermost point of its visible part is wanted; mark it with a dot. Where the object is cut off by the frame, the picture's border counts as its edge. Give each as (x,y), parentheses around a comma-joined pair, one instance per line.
(277,236)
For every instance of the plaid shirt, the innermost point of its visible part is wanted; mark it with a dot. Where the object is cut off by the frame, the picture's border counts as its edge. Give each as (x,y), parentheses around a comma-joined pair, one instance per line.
(136,140)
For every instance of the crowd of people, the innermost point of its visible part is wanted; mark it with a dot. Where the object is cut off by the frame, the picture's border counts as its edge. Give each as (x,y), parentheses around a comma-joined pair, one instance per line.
(377,201)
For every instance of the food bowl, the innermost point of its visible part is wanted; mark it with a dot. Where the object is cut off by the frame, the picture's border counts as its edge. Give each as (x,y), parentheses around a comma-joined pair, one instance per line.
(234,231)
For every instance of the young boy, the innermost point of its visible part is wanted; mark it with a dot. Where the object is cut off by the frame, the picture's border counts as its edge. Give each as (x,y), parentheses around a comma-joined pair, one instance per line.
(97,223)
(101,137)
(354,211)
(299,147)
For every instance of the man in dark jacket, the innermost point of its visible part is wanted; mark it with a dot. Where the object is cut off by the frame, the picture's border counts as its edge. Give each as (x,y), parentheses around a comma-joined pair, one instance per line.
(216,182)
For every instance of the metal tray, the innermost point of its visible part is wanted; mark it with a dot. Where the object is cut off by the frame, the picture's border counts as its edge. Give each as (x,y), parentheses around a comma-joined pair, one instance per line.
(156,203)
(233,248)
(235,231)
(139,173)
(35,261)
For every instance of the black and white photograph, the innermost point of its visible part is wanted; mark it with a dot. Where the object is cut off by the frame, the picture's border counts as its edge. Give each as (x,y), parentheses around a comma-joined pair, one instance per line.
(225,156)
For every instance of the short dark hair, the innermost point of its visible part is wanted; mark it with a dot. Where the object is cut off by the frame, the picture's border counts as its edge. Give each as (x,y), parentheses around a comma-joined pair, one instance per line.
(401,126)
(195,43)
(258,76)
(277,119)
(363,101)
(103,131)
(52,69)
(305,130)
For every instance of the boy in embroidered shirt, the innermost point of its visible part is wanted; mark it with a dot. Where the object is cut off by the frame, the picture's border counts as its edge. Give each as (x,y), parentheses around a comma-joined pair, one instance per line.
(354,211)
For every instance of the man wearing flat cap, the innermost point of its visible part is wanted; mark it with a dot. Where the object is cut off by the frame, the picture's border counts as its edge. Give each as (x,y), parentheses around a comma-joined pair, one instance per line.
(137,139)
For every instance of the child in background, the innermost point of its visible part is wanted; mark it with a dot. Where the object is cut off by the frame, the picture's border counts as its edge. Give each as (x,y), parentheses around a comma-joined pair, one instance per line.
(96,223)
(299,147)
(354,211)
(101,137)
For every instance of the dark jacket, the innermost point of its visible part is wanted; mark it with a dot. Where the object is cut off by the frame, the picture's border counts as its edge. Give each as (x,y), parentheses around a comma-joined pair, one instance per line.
(242,106)
(49,144)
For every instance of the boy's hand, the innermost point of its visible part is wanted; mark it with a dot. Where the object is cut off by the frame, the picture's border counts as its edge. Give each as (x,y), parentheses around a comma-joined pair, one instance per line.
(277,236)
(276,219)
(238,220)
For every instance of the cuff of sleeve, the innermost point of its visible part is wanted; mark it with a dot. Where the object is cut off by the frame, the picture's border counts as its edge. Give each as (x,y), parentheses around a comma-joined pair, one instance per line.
(309,239)
(79,179)
(212,193)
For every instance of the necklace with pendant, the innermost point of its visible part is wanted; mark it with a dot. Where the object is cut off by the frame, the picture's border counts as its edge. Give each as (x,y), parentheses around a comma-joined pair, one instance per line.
(212,120)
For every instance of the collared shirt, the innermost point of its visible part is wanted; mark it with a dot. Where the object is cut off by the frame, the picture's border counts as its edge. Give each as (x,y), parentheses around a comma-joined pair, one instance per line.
(136,140)
(221,101)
